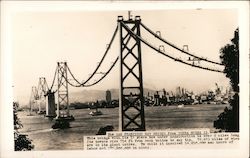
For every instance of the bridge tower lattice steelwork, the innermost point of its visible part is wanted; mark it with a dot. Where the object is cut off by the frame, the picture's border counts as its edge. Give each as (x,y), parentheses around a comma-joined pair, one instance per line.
(63,97)
(42,89)
(131,84)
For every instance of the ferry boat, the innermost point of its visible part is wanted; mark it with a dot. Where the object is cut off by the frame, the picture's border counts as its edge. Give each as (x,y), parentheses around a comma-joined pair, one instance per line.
(180,106)
(95,113)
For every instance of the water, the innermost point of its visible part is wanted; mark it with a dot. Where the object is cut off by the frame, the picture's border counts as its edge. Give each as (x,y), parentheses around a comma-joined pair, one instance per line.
(44,137)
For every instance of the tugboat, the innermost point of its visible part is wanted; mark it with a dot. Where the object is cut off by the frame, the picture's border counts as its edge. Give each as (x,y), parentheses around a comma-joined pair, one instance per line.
(96,112)
(180,106)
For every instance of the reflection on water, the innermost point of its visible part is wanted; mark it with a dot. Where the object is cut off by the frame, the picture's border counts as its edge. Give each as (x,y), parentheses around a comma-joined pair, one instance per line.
(44,137)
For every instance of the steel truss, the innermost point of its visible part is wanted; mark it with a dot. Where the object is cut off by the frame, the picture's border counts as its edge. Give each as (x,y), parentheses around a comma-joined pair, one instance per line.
(63,97)
(33,97)
(42,90)
(131,93)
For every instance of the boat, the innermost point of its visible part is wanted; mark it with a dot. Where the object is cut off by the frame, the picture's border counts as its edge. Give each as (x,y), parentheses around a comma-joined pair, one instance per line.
(95,113)
(180,106)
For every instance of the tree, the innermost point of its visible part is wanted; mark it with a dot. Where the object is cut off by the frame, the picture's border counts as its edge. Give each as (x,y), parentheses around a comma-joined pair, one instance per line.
(230,58)
(21,140)
(228,120)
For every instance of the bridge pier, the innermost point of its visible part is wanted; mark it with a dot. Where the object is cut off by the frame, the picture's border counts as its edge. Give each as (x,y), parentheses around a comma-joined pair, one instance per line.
(50,106)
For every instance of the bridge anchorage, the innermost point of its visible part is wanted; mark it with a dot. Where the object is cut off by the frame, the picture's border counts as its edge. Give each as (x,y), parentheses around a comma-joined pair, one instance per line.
(131,94)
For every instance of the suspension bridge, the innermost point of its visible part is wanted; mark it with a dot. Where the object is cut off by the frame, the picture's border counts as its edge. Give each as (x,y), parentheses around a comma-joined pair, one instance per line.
(131,105)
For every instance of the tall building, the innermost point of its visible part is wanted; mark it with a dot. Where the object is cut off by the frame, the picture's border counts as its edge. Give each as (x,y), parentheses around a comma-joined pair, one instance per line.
(178,91)
(108,96)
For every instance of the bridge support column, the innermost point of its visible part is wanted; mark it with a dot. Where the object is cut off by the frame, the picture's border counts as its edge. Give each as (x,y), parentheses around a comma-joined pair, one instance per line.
(63,97)
(131,101)
(50,109)
(42,89)
(33,98)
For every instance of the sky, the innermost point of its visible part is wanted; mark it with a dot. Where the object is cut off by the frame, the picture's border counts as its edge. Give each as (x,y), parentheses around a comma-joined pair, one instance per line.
(41,39)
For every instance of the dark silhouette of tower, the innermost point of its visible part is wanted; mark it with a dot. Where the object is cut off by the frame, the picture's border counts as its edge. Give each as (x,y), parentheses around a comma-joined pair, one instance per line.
(108,97)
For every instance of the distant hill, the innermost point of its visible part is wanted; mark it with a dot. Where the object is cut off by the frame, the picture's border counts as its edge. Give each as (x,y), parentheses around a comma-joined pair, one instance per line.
(86,96)
(93,95)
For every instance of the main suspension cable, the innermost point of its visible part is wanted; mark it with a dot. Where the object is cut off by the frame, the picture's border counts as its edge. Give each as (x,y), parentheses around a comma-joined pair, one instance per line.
(172,45)
(81,84)
(105,74)
(53,79)
(100,79)
(109,46)
(157,50)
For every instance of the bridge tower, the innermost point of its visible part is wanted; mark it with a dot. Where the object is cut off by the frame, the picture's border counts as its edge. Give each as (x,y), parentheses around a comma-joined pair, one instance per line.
(131,85)
(42,90)
(63,97)
(33,98)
